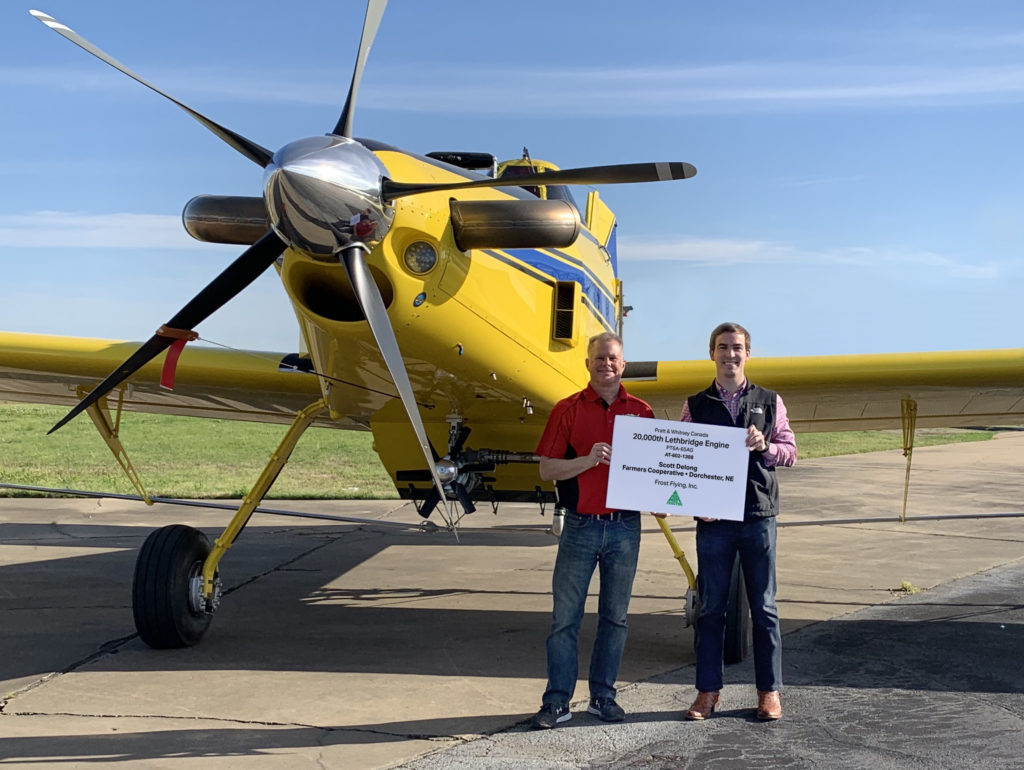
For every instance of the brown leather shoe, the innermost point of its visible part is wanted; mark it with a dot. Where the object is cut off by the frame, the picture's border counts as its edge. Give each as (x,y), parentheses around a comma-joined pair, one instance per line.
(769,706)
(704,706)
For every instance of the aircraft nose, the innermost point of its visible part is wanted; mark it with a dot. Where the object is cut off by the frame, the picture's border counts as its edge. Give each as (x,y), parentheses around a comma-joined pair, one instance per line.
(323,194)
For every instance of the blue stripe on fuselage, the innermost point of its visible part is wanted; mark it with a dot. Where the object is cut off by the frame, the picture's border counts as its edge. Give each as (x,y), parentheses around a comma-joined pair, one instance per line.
(594,293)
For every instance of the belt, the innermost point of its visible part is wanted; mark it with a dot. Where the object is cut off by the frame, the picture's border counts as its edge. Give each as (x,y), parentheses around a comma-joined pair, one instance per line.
(613,516)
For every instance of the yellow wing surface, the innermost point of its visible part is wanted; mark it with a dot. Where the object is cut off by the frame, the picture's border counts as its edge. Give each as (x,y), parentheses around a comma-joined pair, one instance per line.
(237,385)
(861,392)
(822,393)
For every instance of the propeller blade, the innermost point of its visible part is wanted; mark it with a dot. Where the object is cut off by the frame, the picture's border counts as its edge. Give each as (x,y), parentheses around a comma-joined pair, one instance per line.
(374,12)
(620,174)
(430,503)
(249,149)
(464,499)
(376,314)
(224,287)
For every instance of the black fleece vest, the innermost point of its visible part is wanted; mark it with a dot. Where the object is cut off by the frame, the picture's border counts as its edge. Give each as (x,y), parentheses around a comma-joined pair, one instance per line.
(757,408)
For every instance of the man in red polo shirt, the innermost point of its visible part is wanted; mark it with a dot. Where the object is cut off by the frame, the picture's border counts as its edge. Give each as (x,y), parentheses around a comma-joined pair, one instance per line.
(574,453)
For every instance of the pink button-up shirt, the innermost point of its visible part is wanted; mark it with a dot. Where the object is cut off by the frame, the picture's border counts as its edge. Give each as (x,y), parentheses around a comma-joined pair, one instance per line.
(781,449)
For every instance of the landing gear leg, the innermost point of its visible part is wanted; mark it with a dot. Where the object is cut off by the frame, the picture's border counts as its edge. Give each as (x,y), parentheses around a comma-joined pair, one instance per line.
(176,588)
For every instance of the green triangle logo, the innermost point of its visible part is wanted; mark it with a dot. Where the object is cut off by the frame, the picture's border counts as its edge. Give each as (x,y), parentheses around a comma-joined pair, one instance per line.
(674,500)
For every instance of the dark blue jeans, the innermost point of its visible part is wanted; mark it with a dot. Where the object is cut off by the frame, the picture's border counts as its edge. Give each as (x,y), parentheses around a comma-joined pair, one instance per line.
(586,543)
(718,542)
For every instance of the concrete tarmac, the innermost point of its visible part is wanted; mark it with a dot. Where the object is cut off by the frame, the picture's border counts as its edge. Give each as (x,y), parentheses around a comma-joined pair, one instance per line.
(365,645)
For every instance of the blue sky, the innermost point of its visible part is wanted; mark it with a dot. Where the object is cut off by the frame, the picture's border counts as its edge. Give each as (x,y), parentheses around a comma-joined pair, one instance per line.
(860,166)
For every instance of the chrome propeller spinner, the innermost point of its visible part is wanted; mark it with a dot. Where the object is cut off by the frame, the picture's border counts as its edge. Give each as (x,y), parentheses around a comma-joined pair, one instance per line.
(323,194)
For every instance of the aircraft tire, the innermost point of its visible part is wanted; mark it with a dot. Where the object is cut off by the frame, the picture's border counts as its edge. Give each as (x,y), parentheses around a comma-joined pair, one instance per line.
(169,560)
(737,617)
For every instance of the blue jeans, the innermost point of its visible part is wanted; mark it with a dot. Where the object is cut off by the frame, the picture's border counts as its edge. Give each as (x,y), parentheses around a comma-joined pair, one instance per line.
(718,542)
(587,542)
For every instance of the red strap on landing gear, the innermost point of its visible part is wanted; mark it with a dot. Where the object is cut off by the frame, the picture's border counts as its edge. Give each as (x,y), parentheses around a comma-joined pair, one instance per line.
(180,336)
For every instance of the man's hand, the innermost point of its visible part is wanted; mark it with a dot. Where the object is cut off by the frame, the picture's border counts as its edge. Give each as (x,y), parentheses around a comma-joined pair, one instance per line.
(756,441)
(559,469)
(601,453)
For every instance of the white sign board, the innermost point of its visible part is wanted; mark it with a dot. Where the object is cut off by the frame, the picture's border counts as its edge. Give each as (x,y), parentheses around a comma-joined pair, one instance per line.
(682,468)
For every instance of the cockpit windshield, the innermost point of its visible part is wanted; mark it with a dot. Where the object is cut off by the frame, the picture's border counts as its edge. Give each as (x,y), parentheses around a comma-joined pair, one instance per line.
(512,171)
(549,192)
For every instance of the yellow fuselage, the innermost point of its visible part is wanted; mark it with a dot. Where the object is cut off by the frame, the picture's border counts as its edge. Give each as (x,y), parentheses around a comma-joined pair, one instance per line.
(477,331)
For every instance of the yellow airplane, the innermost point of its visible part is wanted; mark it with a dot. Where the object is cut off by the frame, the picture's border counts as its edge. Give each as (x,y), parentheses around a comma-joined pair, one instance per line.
(444,302)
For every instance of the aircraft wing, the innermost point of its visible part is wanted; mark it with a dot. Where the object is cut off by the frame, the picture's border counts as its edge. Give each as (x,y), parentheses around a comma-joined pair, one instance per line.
(860,392)
(228,384)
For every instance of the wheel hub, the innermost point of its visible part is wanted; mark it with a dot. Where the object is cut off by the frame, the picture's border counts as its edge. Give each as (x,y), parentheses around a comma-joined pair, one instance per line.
(197,602)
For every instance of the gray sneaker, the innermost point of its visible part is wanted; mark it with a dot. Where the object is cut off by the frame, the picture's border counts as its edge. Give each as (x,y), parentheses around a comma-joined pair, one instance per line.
(606,709)
(551,715)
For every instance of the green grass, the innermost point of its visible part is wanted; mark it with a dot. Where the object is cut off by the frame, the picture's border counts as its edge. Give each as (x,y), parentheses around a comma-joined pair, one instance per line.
(851,442)
(200,458)
(186,457)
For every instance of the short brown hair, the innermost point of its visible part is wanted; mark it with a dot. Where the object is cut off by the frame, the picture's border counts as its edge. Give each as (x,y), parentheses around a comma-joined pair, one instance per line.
(726,328)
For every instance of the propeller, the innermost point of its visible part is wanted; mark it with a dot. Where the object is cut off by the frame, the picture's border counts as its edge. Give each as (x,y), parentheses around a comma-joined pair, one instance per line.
(455,444)
(262,254)
(224,287)
(593,175)
(453,466)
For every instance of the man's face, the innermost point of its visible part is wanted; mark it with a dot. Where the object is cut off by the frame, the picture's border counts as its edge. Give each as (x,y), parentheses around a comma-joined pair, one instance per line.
(606,364)
(730,356)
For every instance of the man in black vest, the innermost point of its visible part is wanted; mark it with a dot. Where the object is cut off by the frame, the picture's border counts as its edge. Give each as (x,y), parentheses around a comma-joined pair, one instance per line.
(732,400)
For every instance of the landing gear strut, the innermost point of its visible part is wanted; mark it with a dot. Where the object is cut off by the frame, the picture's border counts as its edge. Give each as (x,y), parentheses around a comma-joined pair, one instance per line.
(176,588)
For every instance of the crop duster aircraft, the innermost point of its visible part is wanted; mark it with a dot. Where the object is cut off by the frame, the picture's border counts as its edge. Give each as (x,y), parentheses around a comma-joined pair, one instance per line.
(444,302)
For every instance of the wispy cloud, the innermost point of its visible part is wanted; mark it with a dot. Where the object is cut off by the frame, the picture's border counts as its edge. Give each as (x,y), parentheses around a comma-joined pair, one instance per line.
(753,86)
(62,229)
(724,252)
(71,79)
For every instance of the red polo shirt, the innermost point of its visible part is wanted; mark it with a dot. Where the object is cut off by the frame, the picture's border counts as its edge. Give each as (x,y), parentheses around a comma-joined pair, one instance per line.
(574,426)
